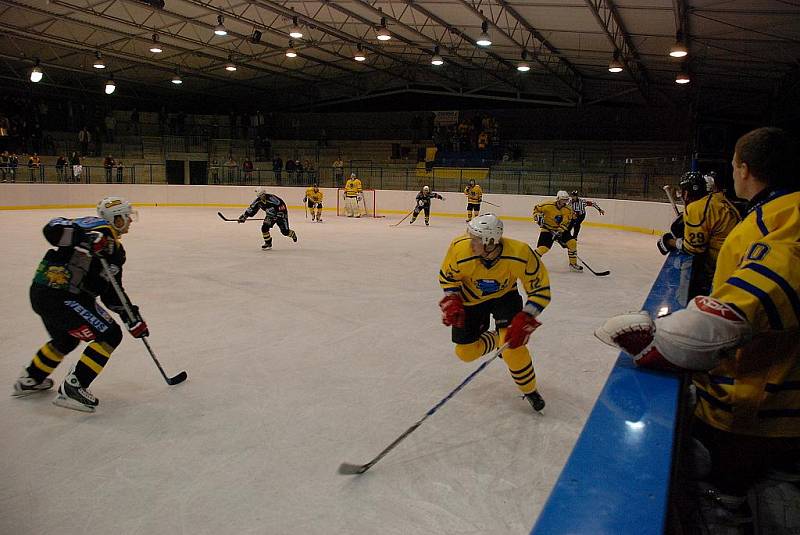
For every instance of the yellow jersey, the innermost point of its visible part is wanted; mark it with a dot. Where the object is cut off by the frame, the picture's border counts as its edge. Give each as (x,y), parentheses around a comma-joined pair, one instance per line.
(756,391)
(474,194)
(479,281)
(707,222)
(352,187)
(314,196)
(553,218)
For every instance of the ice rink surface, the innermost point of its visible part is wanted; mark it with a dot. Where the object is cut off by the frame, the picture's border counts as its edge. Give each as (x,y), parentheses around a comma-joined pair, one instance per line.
(300,358)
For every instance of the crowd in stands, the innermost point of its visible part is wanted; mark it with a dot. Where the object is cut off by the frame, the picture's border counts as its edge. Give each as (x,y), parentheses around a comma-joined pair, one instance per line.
(480,132)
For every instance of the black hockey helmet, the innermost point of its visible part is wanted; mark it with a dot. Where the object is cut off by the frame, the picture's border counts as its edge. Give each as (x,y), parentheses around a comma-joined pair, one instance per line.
(574,193)
(694,184)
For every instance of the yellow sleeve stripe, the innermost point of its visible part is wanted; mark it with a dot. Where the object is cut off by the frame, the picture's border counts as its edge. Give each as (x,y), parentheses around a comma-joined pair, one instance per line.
(783,284)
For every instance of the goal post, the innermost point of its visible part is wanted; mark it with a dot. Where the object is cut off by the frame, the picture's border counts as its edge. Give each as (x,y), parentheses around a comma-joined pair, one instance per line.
(368,205)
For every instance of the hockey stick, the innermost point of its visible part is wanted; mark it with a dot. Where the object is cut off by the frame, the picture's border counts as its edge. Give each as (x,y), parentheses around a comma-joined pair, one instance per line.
(353,469)
(668,190)
(236,220)
(406,217)
(181,377)
(598,273)
(492,204)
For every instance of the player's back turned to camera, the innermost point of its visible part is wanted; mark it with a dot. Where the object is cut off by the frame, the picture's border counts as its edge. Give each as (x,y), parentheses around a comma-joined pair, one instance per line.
(480,275)
(64,294)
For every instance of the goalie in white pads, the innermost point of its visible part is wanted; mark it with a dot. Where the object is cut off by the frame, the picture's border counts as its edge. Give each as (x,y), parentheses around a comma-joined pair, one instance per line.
(742,339)
(479,277)
(353,196)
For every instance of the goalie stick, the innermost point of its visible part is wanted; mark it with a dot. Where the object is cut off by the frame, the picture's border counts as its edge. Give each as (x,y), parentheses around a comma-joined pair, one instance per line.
(181,377)
(236,220)
(353,469)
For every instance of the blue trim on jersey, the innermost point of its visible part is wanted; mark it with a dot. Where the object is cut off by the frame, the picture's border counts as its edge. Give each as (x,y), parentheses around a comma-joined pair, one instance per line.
(760,221)
(791,293)
(766,301)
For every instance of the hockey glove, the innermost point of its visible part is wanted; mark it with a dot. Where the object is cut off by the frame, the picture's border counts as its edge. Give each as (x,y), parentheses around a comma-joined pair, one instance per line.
(96,243)
(242,218)
(136,325)
(520,330)
(666,243)
(453,314)
(420,203)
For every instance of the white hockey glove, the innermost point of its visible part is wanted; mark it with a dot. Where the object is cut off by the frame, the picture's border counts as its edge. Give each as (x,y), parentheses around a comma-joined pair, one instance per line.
(420,203)
(689,339)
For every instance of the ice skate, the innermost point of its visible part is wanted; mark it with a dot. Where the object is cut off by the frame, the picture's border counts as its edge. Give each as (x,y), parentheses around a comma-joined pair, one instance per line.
(293,236)
(576,268)
(536,401)
(266,246)
(72,395)
(27,385)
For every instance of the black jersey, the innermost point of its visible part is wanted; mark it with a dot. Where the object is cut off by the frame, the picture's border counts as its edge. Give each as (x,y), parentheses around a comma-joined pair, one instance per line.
(424,199)
(272,205)
(72,270)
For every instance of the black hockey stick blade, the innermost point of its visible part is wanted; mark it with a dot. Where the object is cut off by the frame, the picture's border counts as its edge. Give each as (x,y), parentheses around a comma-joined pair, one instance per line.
(598,273)
(236,220)
(178,379)
(225,218)
(347,469)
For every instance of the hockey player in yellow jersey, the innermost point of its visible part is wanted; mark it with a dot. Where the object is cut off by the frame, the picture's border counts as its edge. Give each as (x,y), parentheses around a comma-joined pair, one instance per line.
(353,194)
(743,338)
(313,200)
(479,276)
(554,218)
(474,195)
(707,221)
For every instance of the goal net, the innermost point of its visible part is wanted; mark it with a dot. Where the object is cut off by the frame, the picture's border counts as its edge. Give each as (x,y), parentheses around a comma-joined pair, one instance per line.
(368,205)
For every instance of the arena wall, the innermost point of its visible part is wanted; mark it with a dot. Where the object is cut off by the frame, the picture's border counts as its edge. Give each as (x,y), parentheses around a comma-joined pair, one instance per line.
(637,216)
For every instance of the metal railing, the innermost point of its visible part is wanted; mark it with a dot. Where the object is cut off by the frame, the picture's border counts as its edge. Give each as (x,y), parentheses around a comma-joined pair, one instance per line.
(626,183)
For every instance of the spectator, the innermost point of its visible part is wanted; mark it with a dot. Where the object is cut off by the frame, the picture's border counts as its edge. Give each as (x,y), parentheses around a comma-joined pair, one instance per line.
(135,121)
(214,171)
(298,168)
(308,166)
(232,168)
(34,167)
(108,165)
(4,165)
(111,125)
(277,168)
(84,138)
(338,170)
(120,173)
(247,167)
(13,164)
(61,163)
(75,166)
(290,168)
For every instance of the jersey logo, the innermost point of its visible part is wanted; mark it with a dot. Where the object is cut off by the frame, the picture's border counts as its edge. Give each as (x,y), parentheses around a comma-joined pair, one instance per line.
(82,333)
(716,308)
(487,286)
(758,251)
(559,219)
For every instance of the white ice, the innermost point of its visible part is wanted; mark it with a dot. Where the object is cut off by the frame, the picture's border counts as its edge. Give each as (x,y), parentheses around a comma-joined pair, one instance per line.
(298,359)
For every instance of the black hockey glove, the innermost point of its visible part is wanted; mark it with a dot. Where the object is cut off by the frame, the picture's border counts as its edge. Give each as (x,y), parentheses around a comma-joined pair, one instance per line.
(665,244)
(242,218)
(677,226)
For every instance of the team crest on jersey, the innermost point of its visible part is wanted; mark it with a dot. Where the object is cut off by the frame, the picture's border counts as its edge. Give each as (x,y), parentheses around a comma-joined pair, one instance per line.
(559,218)
(57,276)
(487,286)
(757,251)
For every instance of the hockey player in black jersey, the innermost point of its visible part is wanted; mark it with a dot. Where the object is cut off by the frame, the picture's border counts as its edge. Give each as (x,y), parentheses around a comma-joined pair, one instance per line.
(424,204)
(275,213)
(64,293)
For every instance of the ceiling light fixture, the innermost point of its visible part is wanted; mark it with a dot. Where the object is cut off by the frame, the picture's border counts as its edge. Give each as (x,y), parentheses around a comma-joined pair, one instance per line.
(359,56)
(483,39)
(36,72)
(110,85)
(219,29)
(155,48)
(682,78)
(524,66)
(436,59)
(98,61)
(230,67)
(679,49)
(177,78)
(615,65)
(295,32)
(291,52)
(382,31)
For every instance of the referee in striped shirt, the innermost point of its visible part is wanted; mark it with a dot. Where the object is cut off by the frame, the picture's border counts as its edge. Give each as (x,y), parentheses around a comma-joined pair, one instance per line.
(578,206)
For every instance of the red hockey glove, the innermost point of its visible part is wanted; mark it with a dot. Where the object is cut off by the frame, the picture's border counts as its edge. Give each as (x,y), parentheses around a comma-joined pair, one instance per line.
(97,244)
(520,329)
(453,314)
(138,329)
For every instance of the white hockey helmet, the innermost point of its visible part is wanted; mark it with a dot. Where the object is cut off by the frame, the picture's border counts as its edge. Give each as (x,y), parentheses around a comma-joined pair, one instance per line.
(110,207)
(352,175)
(487,227)
(426,189)
(261,191)
(562,196)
